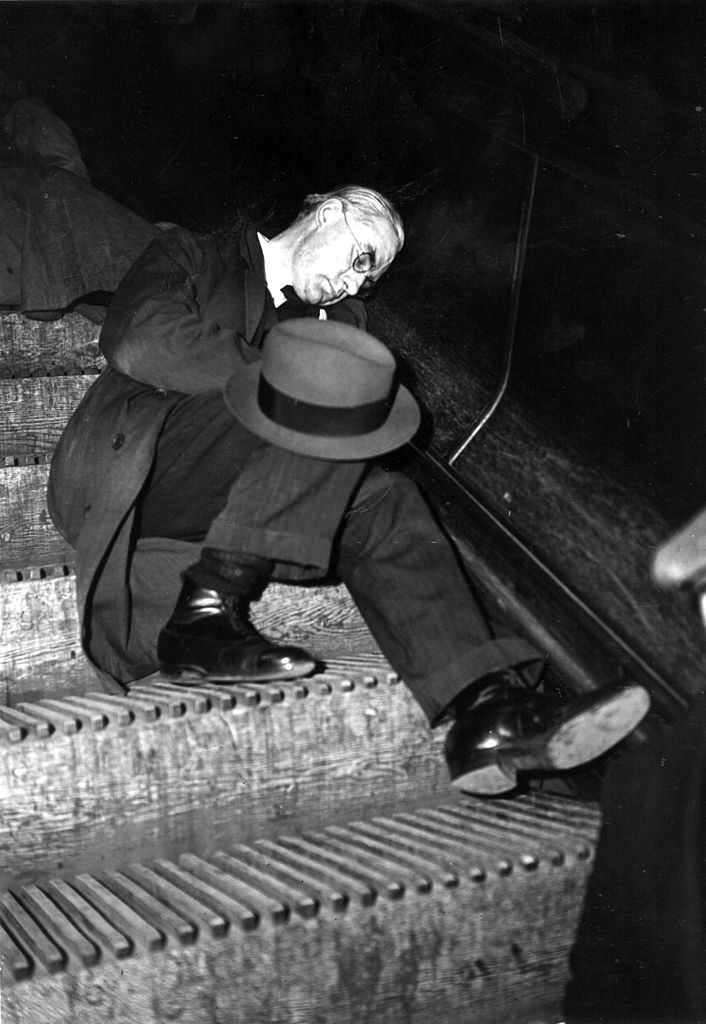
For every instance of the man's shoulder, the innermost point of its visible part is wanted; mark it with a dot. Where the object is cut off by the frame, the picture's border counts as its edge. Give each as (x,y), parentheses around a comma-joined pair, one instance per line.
(177,239)
(196,254)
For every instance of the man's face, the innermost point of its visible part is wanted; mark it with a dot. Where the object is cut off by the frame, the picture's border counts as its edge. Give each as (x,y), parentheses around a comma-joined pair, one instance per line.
(322,266)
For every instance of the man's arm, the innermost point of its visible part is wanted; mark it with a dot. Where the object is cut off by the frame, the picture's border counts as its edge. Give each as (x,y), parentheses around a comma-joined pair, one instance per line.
(162,327)
(349,311)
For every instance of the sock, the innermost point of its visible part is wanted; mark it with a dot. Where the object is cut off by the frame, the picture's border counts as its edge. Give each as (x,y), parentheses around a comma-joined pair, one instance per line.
(492,685)
(232,573)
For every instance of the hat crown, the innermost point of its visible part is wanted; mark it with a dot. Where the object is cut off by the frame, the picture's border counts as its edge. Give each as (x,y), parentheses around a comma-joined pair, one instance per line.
(326,363)
(326,390)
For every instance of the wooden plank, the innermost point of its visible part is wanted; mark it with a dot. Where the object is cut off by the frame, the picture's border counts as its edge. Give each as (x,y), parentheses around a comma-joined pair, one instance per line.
(13,958)
(35,410)
(87,918)
(28,537)
(215,900)
(142,934)
(34,348)
(205,781)
(489,950)
(16,920)
(191,908)
(54,920)
(40,653)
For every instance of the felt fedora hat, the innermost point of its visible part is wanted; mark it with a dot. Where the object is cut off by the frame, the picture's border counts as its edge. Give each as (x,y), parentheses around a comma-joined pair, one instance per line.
(324,389)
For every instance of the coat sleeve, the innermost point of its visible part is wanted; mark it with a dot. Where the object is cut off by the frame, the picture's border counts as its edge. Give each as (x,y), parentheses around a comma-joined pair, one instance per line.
(349,311)
(163,326)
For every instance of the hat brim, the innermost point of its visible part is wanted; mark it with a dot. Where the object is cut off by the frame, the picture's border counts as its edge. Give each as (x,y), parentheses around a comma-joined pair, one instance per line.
(402,423)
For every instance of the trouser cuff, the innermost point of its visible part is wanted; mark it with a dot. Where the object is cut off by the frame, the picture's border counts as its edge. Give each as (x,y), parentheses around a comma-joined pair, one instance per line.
(449,682)
(231,573)
(309,553)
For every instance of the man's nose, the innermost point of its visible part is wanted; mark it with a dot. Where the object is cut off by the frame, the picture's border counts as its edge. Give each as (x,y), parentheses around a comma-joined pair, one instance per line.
(351,282)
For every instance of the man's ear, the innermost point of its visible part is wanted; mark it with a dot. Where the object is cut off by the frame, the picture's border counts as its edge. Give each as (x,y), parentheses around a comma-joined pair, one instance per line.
(330,210)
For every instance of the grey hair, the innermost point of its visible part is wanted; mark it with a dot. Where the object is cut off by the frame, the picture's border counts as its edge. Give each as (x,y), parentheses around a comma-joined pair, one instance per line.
(370,206)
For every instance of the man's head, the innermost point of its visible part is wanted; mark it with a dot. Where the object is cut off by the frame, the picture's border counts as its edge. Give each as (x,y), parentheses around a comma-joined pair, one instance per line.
(340,244)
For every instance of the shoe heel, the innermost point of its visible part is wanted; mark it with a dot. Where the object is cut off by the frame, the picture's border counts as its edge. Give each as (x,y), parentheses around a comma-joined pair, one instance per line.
(488,780)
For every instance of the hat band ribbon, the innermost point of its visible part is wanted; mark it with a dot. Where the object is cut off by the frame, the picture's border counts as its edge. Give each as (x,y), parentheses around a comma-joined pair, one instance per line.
(309,418)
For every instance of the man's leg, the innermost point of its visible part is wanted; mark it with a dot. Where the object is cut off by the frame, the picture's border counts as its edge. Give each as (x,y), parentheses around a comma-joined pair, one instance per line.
(404,577)
(287,508)
(406,580)
(216,483)
(253,507)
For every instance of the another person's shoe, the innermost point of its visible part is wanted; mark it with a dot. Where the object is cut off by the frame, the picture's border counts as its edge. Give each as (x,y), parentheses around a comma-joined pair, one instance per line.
(507,729)
(210,635)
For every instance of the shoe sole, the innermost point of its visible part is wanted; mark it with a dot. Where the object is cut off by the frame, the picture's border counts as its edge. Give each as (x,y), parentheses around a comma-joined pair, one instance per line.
(189,675)
(488,780)
(594,731)
(583,738)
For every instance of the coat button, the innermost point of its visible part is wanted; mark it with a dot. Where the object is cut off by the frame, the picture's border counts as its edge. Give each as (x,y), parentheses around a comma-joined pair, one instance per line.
(159,393)
(118,441)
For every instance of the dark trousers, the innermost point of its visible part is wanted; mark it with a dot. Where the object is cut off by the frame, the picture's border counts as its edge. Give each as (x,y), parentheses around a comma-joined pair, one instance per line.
(640,950)
(215,483)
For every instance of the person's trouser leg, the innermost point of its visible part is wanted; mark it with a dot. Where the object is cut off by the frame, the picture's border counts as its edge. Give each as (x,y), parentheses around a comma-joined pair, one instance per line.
(287,508)
(405,578)
(257,511)
(216,483)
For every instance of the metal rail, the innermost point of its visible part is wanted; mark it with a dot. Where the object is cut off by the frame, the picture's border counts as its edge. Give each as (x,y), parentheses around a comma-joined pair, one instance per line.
(460,446)
(604,633)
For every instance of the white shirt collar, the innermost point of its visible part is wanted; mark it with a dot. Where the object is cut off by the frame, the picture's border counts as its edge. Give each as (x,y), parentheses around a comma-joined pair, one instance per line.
(276,277)
(275,273)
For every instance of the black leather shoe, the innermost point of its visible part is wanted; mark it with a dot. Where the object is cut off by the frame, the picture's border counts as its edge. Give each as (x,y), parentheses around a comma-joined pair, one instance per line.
(209,635)
(513,730)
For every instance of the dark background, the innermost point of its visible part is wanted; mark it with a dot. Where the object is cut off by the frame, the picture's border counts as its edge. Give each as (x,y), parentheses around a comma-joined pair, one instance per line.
(209,113)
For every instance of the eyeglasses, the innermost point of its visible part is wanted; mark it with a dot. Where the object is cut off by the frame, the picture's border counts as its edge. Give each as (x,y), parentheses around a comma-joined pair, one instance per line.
(364,262)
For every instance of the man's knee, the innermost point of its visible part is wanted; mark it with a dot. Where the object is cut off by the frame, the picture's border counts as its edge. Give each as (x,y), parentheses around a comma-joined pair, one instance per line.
(383,488)
(387,508)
